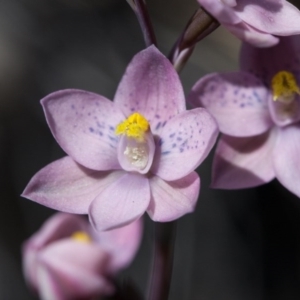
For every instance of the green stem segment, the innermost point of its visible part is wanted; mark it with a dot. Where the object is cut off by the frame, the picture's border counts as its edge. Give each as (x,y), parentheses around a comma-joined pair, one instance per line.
(141,11)
(161,275)
(199,26)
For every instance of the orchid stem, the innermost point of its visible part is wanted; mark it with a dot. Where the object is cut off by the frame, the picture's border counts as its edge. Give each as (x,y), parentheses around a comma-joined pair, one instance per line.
(163,261)
(198,27)
(141,11)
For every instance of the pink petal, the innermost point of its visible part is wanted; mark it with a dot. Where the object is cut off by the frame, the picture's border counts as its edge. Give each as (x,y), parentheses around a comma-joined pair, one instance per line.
(121,203)
(251,35)
(275,17)
(237,100)
(59,226)
(243,162)
(83,124)
(171,200)
(265,63)
(151,87)
(30,265)
(184,143)
(74,269)
(121,243)
(66,186)
(286,158)
(221,11)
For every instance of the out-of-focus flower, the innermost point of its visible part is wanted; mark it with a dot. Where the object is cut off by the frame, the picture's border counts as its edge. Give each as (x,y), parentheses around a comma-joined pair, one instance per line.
(256,21)
(129,156)
(258,110)
(66,259)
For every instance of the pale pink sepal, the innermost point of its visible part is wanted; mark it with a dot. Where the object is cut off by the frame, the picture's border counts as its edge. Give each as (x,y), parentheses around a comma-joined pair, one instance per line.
(173,199)
(223,12)
(83,123)
(151,87)
(244,162)
(252,36)
(256,21)
(126,238)
(122,202)
(71,269)
(275,17)
(57,227)
(286,158)
(59,266)
(66,186)
(184,143)
(237,100)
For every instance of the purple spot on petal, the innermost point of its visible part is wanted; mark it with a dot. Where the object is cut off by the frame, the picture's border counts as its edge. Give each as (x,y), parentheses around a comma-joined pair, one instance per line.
(212,88)
(112,138)
(91,129)
(256,96)
(157,116)
(165,152)
(172,135)
(174,145)
(157,126)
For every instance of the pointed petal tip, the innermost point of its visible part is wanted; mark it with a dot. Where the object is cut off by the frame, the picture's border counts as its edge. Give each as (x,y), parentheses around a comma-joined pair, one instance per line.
(172,200)
(100,227)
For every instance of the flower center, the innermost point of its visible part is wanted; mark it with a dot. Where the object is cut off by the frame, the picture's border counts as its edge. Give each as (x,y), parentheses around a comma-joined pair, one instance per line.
(137,155)
(136,144)
(81,236)
(134,126)
(284,87)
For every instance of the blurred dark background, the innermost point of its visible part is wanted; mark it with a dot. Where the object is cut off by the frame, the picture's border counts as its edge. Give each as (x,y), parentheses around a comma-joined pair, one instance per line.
(238,245)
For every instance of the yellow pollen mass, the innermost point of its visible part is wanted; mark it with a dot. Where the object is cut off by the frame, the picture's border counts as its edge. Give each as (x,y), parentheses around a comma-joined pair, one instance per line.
(284,86)
(135,126)
(81,236)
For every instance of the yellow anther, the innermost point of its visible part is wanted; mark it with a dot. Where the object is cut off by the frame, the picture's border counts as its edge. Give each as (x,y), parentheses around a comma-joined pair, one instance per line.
(284,86)
(81,236)
(134,126)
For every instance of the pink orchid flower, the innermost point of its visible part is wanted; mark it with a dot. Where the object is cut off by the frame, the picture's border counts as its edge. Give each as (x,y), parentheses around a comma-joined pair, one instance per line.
(135,154)
(67,259)
(258,112)
(256,21)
